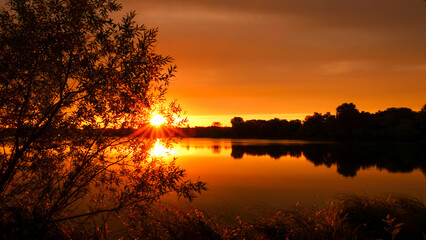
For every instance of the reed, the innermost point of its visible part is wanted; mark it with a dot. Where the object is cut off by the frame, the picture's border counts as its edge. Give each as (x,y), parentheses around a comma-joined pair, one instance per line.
(346,217)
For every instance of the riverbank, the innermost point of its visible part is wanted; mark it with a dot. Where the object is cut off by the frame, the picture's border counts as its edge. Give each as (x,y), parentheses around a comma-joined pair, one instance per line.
(347,217)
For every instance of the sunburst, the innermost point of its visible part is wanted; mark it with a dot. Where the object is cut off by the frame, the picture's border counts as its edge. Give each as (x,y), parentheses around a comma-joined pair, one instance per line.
(157,120)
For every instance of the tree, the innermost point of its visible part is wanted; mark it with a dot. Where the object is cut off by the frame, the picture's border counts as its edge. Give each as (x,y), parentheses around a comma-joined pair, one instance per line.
(216,124)
(237,122)
(347,111)
(68,72)
(314,126)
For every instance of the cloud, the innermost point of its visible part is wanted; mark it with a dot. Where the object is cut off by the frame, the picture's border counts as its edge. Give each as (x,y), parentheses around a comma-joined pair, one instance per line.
(346,67)
(290,55)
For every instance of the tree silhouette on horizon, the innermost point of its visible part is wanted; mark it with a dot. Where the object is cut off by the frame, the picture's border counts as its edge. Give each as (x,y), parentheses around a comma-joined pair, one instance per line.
(349,124)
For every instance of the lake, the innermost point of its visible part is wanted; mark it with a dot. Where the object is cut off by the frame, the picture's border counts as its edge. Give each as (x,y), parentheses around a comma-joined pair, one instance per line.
(282,173)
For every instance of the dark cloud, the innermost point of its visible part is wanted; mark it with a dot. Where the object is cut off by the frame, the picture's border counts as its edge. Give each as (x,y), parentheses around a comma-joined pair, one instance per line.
(333,12)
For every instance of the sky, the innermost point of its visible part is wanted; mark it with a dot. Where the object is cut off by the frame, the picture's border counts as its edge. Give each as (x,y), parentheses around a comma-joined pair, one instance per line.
(261,59)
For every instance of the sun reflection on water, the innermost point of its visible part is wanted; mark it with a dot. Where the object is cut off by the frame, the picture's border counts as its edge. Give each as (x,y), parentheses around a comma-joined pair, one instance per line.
(159,150)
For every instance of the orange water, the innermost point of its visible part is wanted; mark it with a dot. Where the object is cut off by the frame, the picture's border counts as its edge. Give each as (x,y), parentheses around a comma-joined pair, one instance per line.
(235,184)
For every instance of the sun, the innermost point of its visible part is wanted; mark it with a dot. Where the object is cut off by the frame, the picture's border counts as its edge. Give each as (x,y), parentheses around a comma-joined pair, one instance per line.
(157,120)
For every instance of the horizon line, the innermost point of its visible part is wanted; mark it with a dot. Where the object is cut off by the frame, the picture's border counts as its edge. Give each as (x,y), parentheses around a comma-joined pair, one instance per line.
(225,119)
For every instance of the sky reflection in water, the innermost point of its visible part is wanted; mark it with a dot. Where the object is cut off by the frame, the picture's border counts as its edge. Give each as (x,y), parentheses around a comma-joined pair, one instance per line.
(281,173)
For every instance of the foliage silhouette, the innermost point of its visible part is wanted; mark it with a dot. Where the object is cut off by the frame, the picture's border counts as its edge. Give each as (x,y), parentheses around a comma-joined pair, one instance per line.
(393,124)
(216,124)
(69,72)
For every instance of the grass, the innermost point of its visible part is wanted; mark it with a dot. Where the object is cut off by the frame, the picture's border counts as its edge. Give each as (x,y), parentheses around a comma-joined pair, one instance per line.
(347,217)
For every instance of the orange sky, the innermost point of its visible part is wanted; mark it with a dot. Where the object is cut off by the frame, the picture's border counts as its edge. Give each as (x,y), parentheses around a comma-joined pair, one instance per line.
(265,58)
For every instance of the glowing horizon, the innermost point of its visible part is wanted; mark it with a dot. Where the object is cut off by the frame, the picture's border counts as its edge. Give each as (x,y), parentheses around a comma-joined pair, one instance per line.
(289,57)
(225,120)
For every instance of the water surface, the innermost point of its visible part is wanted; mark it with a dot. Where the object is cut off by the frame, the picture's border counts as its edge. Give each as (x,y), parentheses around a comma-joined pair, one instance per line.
(242,173)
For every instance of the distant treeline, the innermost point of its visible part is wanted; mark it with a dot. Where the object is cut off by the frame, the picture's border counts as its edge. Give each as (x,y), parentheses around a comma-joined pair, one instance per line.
(349,124)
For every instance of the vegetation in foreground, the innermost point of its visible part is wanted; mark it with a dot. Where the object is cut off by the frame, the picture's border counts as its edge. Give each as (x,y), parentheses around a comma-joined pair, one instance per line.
(69,72)
(348,217)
